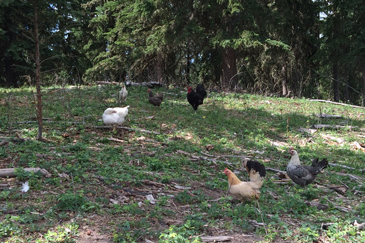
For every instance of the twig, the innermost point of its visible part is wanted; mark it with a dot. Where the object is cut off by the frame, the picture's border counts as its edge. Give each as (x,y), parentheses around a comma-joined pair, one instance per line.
(128,128)
(275,170)
(258,204)
(202,158)
(346,167)
(11,171)
(338,103)
(115,140)
(319,126)
(327,116)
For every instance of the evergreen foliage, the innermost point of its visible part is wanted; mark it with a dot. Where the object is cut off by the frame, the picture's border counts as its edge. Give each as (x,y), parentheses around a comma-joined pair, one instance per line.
(310,48)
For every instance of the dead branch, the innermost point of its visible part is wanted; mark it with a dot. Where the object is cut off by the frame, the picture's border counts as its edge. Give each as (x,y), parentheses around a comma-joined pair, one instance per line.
(346,167)
(327,116)
(352,177)
(128,129)
(343,209)
(216,238)
(214,161)
(275,170)
(310,131)
(115,140)
(359,226)
(10,172)
(337,103)
(107,82)
(4,142)
(319,126)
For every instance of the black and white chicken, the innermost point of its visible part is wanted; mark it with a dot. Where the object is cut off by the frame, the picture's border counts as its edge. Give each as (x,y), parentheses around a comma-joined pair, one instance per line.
(303,174)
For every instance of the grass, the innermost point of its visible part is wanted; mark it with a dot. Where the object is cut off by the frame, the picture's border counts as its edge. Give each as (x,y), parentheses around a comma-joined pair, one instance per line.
(98,187)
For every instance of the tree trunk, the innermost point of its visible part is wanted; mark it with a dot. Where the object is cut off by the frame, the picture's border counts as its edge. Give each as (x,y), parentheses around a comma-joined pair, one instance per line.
(347,92)
(363,83)
(336,86)
(285,80)
(159,68)
(37,74)
(230,79)
(187,73)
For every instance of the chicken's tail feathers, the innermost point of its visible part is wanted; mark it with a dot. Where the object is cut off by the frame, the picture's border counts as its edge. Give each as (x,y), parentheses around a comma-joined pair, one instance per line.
(200,90)
(254,165)
(320,164)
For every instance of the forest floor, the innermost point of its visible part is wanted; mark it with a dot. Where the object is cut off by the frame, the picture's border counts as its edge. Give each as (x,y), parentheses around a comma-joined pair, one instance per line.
(159,179)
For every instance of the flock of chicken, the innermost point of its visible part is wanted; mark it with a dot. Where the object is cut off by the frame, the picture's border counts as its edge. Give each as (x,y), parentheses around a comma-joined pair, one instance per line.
(298,173)
(242,190)
(116,116)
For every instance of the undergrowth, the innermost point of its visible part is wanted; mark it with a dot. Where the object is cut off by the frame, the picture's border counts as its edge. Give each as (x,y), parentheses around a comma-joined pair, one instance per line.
(102,185)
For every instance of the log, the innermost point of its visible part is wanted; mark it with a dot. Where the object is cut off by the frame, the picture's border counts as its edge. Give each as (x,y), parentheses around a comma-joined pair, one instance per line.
(107,82)
(337,103)
(216,238)
(4,142)
(319,126)
(10,172)
(327,116)
(346,167)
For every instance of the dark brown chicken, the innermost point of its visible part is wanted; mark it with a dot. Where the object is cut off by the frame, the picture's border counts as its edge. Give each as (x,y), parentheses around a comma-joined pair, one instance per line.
(155,99)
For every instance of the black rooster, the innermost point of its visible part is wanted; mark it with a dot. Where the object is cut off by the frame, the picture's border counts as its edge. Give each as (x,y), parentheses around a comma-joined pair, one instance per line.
(196,98)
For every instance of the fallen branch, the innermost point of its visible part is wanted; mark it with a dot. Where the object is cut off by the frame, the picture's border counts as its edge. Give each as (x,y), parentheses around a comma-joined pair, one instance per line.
(128,129)
(327,116)
(343,209)
(338,103)
(116,140)
(4,142)
(359,226)
(107,82)
(216,238)
(275,170)
(202,158)
(10,172)
(352,177)
(319,126)
(345,167)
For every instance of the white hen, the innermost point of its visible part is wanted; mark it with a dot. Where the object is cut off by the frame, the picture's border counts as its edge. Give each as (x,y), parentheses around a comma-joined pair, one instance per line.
(115,116)
(122,95)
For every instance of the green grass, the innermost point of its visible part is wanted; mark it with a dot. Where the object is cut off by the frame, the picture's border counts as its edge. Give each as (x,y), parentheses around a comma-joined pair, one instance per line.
(102,185)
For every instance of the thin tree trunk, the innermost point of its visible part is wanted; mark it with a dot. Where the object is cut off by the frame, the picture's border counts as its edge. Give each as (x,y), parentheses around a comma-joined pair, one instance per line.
(336,86)
(159,68)
(230,78)
(37,74)
(347,93)
(229,68)
(187,74)
(285,80)
(363,83)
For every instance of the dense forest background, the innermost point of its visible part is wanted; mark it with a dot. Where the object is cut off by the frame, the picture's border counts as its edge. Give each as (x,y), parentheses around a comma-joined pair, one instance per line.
(305,47)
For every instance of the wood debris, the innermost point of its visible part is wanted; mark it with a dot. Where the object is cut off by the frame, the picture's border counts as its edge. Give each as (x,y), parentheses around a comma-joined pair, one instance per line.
(216,238)
(322,126)
(359,226)
(10,172)
(327,116)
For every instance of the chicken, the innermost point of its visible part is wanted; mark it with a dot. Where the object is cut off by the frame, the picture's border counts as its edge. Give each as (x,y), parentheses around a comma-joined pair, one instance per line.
(200,90)
(155,99)
(194,98)
(303,174)
(122,94)
(247,190)
(115,116)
